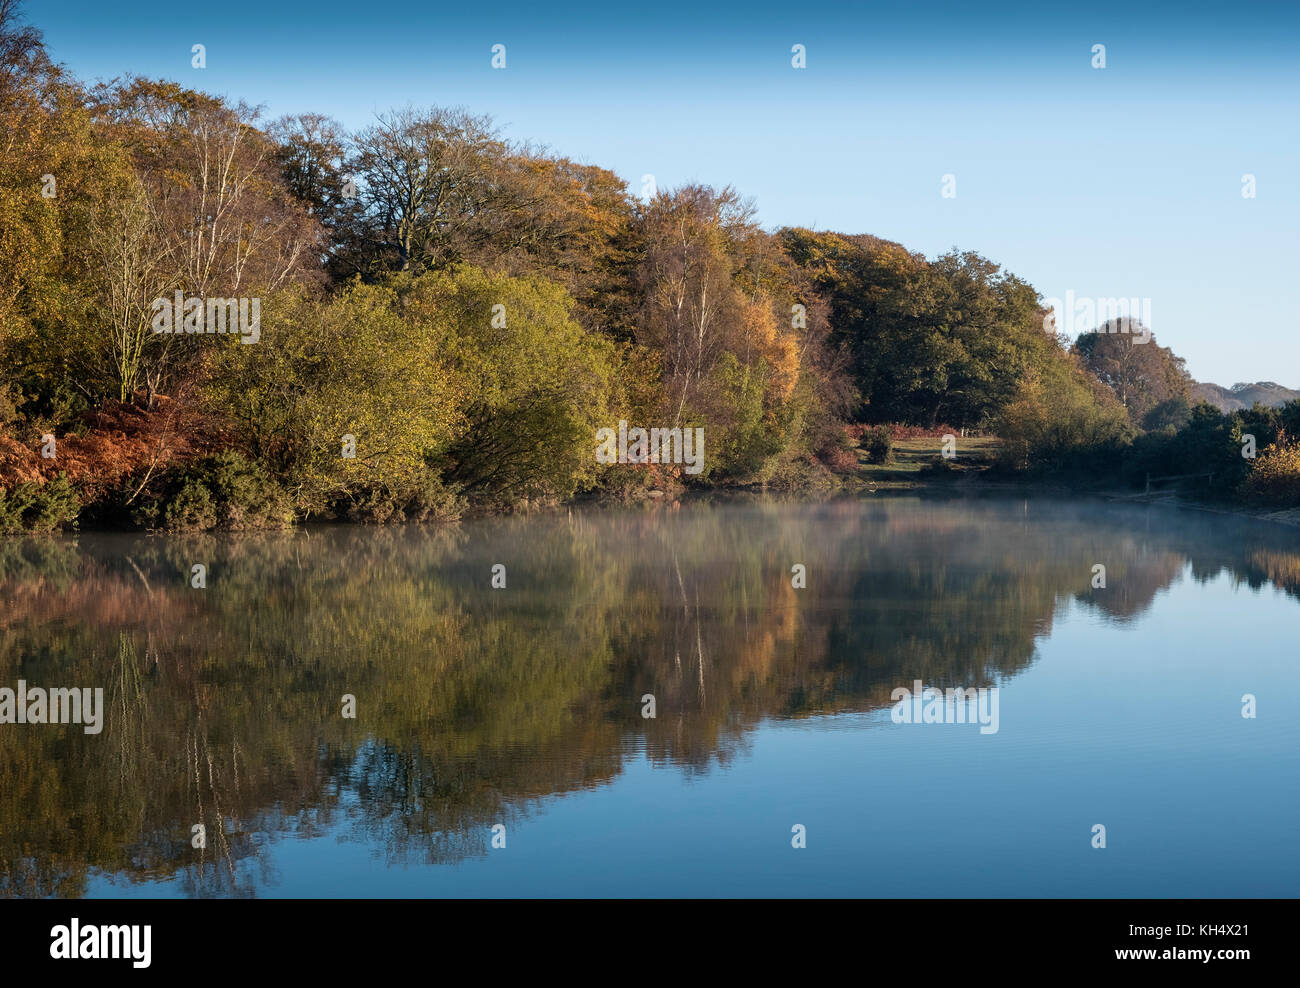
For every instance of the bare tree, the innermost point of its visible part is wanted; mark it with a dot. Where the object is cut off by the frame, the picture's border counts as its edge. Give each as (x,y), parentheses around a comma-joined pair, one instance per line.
(427,185)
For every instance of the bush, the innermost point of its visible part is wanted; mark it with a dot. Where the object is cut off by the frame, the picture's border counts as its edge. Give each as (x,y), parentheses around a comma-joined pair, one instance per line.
(747,437)
(35,507)
(190,509)
(878,443)
(1274,480)
(899,430)
(326,369)
(426,498)
(1210,442)
(939,467)
(221,491)
(531,392)
(839,454)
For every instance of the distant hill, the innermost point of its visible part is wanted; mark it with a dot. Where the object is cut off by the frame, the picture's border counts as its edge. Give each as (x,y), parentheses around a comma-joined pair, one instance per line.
(1242,396)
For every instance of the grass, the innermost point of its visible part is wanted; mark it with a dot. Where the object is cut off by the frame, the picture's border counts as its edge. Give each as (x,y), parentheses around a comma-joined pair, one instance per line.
(911,455)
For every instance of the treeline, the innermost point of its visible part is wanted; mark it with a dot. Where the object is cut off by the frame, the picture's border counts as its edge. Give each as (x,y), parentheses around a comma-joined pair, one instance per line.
(445,318)
(1137,423)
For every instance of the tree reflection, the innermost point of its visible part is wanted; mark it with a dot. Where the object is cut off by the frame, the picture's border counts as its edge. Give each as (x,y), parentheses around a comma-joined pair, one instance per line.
(475,704)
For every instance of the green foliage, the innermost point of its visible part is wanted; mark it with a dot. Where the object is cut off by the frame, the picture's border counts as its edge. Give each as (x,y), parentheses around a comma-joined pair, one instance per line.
(1170,414)
(878,444)
(422,498)
(535,386)
(1062,419)
(1288,418)
(1210,442)
(328,369)
(947,340)
(224,491)
(746,435)
(10,399)
(40,508)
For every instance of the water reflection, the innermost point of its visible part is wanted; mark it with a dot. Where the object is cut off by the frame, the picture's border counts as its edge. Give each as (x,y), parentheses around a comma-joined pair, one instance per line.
(473,704)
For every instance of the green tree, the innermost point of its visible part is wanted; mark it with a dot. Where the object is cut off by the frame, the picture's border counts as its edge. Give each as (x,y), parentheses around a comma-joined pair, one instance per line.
(536,385)
(349,366)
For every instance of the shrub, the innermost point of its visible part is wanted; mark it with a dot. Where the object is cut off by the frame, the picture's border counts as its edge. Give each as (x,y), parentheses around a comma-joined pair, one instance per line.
(839,457)
(33,507)
(221,491)
(190,509)
(426,498)
(898,430)
(326,369)
(1062,419)
(878,443)
(939,467)
(1274,480)
(1169,415)
(532,391)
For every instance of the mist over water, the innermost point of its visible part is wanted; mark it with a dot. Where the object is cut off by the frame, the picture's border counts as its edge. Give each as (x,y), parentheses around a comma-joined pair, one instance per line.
(522,706)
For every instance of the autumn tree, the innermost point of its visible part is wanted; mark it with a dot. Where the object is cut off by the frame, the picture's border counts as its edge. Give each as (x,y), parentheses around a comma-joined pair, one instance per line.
(873,290)
(58,182)
(311,152)
(572,223)
(740,330)
(1142,374)
(692,308)
(212,207)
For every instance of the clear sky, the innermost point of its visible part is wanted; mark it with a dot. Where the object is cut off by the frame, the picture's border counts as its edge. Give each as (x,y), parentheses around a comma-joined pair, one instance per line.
(1117,182)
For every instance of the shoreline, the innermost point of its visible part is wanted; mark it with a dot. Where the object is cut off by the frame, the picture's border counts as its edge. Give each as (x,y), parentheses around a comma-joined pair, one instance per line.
(856,487)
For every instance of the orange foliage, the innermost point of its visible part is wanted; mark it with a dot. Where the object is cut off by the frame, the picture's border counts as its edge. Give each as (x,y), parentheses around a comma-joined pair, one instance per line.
(120,440)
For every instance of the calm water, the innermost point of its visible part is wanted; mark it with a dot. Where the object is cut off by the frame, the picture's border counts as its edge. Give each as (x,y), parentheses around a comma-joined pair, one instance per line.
(522,707)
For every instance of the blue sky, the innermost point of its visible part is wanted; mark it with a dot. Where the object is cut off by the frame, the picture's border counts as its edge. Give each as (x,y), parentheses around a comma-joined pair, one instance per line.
(1117,182)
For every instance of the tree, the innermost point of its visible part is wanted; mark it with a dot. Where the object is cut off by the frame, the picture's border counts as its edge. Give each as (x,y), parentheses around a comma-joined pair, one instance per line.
(537,384)
(692,308)
(215,214)
(573,224)
(1060,417)
(126,264)
(426,188)
(312,153)
(329,369)
(1142,375)
(947,340)
(58,183)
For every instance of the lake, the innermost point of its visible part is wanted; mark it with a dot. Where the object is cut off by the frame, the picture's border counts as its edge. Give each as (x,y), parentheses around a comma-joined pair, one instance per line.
(349,711)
